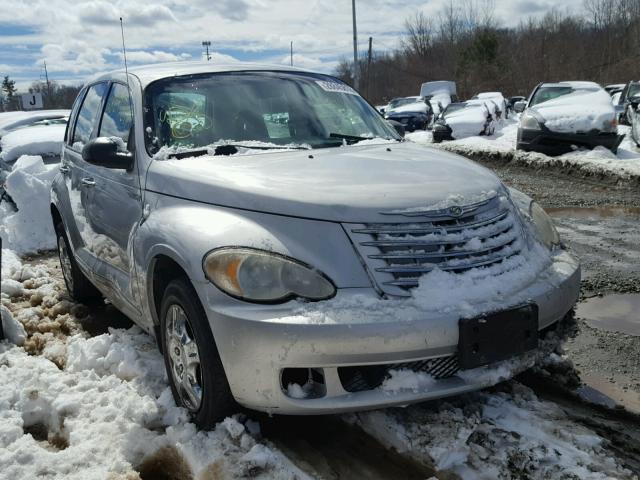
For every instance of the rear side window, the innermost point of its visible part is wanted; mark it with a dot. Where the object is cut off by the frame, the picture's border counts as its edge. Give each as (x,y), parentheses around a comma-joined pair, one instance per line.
(117,119)
(89,114)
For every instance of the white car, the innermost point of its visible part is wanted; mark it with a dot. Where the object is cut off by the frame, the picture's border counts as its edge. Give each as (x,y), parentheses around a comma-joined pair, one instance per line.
(43,140)
(11,120)
(495,101)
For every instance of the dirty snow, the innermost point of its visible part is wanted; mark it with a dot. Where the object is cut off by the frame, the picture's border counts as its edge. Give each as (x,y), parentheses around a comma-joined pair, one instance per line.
(43,140)
(29,228)
(599,161)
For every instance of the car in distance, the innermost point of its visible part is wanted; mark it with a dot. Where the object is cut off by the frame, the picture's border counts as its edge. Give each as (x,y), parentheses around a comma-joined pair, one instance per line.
(631,89)
(635,119)
(560,117)
(463,119)
(495,101)
(287,249)
(413,113)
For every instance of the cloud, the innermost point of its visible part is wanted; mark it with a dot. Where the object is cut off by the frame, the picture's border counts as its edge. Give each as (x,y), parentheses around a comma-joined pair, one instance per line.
(149,15)
(155,56)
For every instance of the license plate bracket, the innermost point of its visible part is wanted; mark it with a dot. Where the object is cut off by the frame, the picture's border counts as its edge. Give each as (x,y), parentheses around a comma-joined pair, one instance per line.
(497,336)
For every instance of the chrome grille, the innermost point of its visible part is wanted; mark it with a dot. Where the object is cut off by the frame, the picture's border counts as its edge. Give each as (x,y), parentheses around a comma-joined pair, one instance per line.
(397,254)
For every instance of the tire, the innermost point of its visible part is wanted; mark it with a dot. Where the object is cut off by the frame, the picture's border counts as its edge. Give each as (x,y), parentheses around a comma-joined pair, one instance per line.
(79,287)
(198,383)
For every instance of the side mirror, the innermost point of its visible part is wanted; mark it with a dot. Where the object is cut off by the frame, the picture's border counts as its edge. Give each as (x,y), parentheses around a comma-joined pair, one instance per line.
(103,151)
(519,106)
(398,127)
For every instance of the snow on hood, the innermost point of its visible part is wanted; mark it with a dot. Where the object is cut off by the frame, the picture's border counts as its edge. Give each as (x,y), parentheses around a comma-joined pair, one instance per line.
(344,184)
(467,122)
(579,111)
(13,120)
(41,140)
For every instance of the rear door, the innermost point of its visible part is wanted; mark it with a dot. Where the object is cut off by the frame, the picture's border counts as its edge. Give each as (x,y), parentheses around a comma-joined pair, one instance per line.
(78,174)
(115,203)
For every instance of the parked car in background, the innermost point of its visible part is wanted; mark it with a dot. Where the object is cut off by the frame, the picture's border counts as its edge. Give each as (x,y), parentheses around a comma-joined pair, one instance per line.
(614,88)
(560,117)
(463,119)
(631,89)
(495,101)
(438,94)
(634,102)
(412,112)
(12,120)
(288,269)
(42,140)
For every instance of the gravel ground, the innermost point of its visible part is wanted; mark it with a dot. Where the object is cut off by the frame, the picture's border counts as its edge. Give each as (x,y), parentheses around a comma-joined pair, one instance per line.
(600,223)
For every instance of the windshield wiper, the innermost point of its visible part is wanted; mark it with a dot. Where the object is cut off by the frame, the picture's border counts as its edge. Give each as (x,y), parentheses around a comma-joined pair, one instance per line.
(349,138)
(231,149)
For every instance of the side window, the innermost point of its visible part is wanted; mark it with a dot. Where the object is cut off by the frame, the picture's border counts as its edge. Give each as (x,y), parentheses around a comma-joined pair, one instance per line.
(89,114)
(117,119)
(72,116)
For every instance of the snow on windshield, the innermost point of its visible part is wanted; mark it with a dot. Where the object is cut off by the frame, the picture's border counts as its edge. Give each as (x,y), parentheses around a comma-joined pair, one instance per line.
(581,110)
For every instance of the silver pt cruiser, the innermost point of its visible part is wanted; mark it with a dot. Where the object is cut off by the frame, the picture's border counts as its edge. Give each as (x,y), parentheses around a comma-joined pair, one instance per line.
(289,250)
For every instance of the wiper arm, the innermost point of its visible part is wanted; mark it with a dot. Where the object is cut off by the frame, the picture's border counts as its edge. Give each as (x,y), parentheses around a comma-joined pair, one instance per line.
(349,138)
(231,149)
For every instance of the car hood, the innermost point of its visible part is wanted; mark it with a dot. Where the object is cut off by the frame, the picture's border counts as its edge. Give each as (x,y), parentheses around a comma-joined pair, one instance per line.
(580,111)
(343,184)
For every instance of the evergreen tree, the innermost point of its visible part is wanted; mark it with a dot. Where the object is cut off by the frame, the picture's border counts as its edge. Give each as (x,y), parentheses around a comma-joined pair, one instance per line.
(9,89)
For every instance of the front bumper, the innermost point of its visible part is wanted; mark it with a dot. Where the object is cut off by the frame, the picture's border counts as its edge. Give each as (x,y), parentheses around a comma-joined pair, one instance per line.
(255,349)
(555,143)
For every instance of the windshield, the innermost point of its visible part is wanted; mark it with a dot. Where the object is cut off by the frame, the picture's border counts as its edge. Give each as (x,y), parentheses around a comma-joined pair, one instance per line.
(544,94)
(398,102)
(634,89)
(272,108)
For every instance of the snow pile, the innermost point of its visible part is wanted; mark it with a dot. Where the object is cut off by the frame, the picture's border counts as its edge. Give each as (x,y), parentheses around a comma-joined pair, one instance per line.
(579,111)
(509,434)
(110,414)
(12,329)
(28,229)
(43,140)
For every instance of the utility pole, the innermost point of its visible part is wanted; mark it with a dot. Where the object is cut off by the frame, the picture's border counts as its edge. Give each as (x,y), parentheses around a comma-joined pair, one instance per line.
(46,76)
(292,53)
(207,44)
(355,45)
(369,65)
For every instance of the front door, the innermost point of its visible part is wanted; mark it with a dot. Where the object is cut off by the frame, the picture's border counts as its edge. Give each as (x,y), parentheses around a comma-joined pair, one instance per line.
(115,205)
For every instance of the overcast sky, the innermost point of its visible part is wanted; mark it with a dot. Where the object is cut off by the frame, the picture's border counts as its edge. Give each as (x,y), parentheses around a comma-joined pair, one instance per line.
(79,38)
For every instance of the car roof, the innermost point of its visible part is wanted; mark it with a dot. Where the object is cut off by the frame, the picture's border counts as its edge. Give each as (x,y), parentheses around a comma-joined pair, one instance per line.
(150,73)
(572,84)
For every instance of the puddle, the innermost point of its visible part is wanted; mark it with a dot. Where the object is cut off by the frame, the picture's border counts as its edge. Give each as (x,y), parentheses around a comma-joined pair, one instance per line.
(617,313)
(331,449)
(599,390)
(595,212)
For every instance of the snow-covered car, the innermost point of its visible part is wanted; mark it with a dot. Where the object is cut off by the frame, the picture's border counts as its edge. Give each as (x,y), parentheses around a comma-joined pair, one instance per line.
(495,101)
(11,120)
(634,102)
(623,109)
(460,120)
(513,100)
(43,140)
(560,117)
(412,112)
(614,88)
(294,270)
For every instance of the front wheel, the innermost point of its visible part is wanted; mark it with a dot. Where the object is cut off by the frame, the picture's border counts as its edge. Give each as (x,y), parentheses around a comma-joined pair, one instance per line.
(78,286)
(194,368)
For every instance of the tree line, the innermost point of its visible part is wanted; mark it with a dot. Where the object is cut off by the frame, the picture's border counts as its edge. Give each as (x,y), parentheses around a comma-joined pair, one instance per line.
(465,42)
(54,94)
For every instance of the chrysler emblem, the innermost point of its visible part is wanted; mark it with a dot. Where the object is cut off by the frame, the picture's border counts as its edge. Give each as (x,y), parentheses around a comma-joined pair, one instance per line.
(455,211)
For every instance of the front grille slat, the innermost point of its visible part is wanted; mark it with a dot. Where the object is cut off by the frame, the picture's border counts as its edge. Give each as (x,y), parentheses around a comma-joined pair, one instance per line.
(397,254)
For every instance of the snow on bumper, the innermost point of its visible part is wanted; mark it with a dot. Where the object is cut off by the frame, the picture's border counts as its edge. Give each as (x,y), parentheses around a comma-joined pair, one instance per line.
(256,346)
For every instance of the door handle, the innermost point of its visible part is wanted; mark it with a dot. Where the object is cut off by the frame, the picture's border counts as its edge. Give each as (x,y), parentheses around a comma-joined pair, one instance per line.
(88,182)
(64,169)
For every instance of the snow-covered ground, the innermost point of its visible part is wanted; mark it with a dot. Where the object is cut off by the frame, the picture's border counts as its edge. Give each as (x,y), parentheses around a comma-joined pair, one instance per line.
(624,164)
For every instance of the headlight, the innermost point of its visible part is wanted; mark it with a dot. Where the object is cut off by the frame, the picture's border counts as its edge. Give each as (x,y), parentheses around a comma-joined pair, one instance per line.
(261,276)
(545,228)
(529,121)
